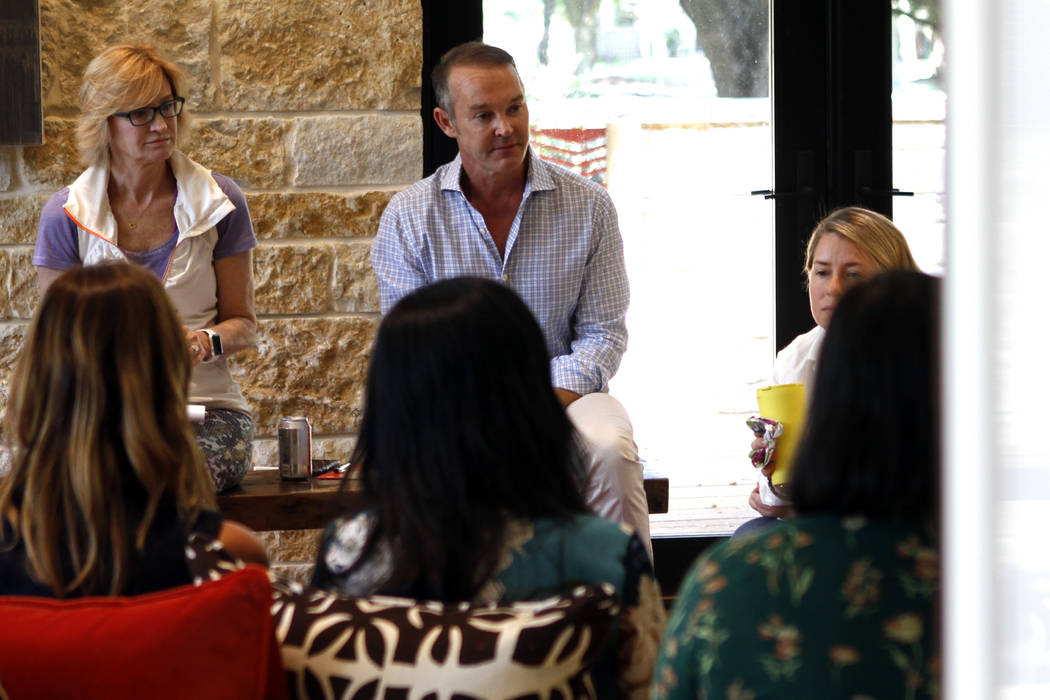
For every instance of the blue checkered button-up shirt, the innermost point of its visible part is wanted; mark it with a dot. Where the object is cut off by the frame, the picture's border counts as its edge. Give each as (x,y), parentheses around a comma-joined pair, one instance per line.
(564,257)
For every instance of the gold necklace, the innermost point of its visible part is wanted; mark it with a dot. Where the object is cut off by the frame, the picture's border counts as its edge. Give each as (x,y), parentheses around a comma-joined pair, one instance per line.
(132,225)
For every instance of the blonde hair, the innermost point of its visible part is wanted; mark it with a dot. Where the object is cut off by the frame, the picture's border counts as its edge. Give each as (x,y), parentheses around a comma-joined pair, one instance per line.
(120,79)
(870,231)
(98,429)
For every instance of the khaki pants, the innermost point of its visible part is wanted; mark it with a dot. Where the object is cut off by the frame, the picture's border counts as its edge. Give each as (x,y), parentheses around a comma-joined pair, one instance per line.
(615,488)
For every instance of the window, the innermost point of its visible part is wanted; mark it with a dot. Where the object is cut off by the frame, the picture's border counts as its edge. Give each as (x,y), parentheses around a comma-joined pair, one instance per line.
(676,119)
(625,93)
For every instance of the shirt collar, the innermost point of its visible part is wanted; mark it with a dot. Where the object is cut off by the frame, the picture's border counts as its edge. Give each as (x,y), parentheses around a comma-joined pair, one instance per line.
(199,201)
(537,178)
(818,341)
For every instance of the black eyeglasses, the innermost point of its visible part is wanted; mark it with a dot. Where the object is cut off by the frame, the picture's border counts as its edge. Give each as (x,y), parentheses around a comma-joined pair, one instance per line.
(145,115)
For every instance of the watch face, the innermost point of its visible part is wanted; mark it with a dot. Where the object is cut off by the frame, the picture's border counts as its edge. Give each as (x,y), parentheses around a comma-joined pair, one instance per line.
(216,344)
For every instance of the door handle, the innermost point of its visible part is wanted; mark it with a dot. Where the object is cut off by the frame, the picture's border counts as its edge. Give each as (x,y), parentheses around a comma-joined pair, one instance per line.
(803,178)
(770,194)
(892,193)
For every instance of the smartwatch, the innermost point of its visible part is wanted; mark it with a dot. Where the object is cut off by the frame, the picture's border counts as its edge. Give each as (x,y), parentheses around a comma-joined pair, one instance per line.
(216,342)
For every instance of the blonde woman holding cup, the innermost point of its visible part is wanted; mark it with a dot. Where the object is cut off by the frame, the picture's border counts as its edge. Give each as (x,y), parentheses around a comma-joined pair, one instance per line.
(847,246)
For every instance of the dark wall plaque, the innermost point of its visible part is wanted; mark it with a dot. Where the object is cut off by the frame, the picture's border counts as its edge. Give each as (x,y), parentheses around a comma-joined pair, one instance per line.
(21,117)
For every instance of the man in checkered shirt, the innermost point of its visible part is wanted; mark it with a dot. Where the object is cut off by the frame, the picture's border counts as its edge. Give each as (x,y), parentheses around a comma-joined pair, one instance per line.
(498,211)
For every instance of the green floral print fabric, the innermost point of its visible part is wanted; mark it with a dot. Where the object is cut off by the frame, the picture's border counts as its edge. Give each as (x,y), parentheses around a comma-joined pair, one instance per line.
(817,607)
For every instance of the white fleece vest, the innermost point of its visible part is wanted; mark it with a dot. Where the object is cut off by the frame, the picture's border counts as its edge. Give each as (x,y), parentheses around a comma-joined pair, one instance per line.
(190,277)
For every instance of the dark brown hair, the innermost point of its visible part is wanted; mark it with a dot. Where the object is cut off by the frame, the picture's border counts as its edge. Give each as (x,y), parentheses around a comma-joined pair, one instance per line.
(871,441)
(461,431)
(472,53)
(98,425)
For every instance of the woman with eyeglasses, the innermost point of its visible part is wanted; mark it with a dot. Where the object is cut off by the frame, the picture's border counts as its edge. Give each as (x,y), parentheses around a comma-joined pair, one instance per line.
(141,200)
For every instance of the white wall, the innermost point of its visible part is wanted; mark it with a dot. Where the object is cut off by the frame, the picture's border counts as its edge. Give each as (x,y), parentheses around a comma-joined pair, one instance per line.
(997,496)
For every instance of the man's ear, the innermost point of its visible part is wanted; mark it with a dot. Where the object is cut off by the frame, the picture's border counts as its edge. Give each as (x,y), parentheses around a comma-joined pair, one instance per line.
(445,123)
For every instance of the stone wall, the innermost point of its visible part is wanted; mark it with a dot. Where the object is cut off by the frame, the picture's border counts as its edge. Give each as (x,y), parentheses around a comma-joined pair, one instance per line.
(313,108)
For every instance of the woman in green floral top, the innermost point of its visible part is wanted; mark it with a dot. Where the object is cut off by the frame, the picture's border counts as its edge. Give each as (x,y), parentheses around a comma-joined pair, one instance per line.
(842,601)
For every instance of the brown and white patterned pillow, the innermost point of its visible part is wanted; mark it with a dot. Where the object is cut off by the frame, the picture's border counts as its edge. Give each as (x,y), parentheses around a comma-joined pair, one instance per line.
(384,647)
(207,559)
(336,646)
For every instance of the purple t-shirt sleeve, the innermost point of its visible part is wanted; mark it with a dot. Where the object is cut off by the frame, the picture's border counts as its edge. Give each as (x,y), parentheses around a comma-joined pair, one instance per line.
(236,233)
(57,242)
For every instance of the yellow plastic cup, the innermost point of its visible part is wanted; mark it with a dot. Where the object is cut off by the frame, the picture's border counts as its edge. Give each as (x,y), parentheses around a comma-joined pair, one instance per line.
(787,404)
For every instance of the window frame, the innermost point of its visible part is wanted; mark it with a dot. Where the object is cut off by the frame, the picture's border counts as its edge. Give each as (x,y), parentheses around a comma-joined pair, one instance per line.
(446,24)
(832,81)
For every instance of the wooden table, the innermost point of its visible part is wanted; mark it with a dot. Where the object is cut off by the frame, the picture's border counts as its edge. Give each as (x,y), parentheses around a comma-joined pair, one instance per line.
(264,501)
(657,491)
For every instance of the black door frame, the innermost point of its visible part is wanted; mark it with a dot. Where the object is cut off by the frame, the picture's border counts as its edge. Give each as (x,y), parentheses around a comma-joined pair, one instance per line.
(831,76)
(446,24)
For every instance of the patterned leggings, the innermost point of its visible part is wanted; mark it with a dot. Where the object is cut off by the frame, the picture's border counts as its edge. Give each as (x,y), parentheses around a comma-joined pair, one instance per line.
(225,438)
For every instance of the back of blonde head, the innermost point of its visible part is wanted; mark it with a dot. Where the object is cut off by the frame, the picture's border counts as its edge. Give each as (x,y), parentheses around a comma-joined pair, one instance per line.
(98,426)
(871,232)
(120,79)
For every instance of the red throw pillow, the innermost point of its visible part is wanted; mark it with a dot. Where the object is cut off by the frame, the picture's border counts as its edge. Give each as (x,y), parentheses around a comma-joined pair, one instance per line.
(215,640)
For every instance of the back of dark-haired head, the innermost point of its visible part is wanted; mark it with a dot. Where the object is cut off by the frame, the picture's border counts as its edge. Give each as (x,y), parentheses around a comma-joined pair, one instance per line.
(472,53)
(871,441)
(461,429)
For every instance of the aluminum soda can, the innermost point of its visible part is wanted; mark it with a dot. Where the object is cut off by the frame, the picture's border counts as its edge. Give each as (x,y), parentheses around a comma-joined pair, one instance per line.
(294,448)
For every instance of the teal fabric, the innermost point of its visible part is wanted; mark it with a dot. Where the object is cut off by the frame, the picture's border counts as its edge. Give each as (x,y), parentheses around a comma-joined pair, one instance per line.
(543,558)
(817,607)
(561,554)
